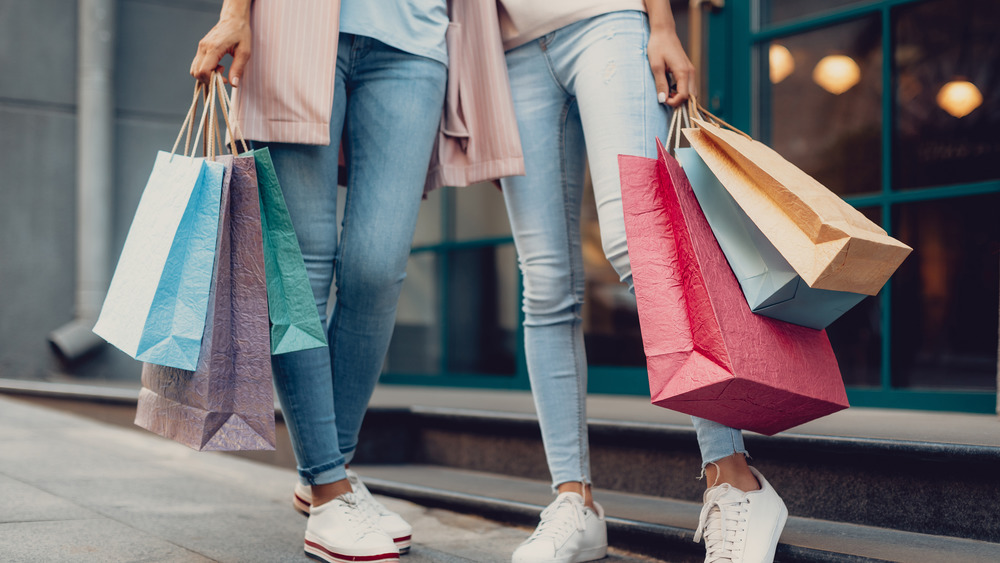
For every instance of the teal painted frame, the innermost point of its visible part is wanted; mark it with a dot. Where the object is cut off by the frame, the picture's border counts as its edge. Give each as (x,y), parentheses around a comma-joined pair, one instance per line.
(747,35)
(735,33)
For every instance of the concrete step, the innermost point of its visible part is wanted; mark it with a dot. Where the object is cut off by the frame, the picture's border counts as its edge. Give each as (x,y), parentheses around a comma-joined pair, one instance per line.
(659,527)
(925,473)
(925,487)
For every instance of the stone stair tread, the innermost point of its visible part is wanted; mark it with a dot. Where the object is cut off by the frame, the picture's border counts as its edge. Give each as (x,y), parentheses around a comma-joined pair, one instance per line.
(804,539)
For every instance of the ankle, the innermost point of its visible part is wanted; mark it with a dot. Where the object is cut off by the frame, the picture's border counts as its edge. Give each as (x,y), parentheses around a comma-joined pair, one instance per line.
(732,470)
(580,489)
(322,494)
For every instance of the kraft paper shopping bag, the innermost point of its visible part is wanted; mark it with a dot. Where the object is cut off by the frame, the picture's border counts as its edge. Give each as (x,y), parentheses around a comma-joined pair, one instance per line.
(829,244)
(707,353)
(771,286)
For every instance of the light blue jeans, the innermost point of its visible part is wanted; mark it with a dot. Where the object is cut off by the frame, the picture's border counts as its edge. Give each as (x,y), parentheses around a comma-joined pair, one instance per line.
(389,104)
(583,92)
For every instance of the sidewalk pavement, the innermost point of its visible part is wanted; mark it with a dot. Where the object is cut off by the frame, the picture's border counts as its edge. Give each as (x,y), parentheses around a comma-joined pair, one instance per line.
(76,490)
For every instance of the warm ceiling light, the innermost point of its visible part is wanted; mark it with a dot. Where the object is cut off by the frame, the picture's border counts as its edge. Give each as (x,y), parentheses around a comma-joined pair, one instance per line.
(836,73)
(781,62)
(959,98)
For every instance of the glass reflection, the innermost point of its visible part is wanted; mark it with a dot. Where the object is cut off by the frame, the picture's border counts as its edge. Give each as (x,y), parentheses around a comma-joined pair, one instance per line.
(947,93)
(825,116)
(482,307)
(610,317)
(416,341)
(945,295)
(857,335)
(479,212)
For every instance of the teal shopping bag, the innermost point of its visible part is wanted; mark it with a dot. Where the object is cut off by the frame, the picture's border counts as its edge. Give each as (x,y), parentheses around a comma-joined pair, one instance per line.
(771,286)
(158,298)
(295,323)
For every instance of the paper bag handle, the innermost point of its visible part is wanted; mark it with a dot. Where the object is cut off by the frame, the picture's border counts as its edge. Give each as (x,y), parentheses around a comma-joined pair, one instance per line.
(232,127)
(696,109)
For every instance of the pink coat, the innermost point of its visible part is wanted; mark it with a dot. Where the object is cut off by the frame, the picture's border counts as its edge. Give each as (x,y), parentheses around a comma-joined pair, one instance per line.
(286,92)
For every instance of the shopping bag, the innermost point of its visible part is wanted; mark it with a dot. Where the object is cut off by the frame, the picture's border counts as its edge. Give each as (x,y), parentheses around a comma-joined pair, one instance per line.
(827,242)
(295,323)
(770,285)
(227,403)
(156,304)
(707,354)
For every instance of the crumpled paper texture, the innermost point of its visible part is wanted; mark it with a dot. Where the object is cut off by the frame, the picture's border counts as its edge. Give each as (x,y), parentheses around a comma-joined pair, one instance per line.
(830,244)
(771,286)
(227,402)
(295,323)
(707,353)
(155,307)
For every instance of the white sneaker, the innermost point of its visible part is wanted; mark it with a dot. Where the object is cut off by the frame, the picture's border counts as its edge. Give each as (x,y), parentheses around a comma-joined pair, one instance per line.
(741,527)
(569,532)
(340,531)
(392,523)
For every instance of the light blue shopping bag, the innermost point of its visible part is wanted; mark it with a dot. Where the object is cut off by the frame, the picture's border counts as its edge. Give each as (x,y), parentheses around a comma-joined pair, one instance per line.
(158,299)
(769,283)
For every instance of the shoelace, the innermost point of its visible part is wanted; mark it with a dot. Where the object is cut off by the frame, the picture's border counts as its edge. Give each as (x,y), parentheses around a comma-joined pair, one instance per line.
(722,521)
(365,498)
(360,519)
(559,520)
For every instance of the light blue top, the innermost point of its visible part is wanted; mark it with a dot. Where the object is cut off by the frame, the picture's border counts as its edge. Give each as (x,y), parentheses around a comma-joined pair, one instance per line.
(415,26)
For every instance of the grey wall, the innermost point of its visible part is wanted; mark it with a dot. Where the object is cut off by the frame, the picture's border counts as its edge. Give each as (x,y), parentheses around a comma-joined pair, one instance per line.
(38,62)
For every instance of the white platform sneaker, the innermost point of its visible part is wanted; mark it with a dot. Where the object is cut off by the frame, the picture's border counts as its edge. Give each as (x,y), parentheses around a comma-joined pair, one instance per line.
(392,523)
(341,531)
(569,532)
(741,527)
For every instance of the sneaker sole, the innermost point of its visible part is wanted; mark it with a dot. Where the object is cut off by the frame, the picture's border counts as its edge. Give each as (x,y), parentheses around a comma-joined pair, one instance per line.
(402,543)
(591,554)
(318,551)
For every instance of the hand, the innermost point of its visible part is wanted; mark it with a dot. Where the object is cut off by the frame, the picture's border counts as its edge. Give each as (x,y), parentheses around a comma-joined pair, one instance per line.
(666,55)
(230,36)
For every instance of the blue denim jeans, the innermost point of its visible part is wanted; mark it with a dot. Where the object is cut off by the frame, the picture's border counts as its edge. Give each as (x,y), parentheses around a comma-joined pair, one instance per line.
(389,104)
(582,93)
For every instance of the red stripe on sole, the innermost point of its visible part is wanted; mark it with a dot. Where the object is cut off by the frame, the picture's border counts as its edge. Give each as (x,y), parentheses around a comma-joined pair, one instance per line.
(387,557)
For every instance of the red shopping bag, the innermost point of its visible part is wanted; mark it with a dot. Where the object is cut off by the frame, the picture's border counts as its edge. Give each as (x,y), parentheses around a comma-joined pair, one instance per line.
(707,354)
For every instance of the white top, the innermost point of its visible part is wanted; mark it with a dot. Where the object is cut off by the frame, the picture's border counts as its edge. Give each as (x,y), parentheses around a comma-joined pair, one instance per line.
(522,21)
(415,26)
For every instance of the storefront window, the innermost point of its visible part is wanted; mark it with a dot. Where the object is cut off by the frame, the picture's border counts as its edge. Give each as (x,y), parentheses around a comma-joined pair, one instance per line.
(429,226)
(416,345)
(821,104)
(857,335)
(944,296)
(610,317)
(481,303)
(480,213)
(947,58)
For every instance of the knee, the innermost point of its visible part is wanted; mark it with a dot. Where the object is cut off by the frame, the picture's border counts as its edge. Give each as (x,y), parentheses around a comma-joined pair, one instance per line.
(370,284)
(551,295)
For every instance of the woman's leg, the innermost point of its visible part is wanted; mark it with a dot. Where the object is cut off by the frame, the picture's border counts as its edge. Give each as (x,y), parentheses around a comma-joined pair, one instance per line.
(602,61)
(304,382)
(394,104)
(544,211)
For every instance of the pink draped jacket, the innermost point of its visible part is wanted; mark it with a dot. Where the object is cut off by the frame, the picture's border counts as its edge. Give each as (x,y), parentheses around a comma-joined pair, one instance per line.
(286,92)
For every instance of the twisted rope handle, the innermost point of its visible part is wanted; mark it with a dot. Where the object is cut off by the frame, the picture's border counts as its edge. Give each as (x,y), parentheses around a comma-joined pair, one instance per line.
(232,127)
